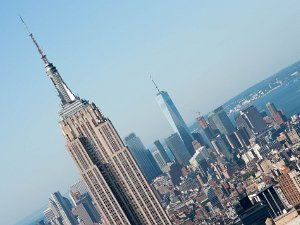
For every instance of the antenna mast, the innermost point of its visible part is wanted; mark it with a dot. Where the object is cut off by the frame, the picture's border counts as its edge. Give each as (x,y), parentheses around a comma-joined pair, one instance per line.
(154,84)
(44,58)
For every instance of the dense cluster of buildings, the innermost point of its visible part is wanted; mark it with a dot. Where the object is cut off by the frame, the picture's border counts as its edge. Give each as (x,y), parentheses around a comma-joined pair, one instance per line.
(216,173)
(81,211)
(243,174)
(247,173)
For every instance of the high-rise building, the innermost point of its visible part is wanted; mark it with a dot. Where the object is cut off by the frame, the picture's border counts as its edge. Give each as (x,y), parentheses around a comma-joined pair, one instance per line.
(79,186)
(174,118)
(212,197)
(219,120)
(50,216)
(175,173)
(86,211)
(76,190)
(242,136)
(181,154)
(162,151)
(64,208)
(199,160)
(202,150)
(270,197)
(205,126)
(251,120)
(159,159)
(52,213)
(59,211)
(202,122)
(84,216)
(277,115)
(200,135)
(198,138)
(250,213)
(222,147)
(143,157)
(110,172)
(289,185)
(234,140)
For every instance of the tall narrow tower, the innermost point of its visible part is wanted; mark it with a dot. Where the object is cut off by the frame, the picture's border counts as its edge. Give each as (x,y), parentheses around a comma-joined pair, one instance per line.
(107,167)
(219,120)
(174,118)
(143,157)
(277,115)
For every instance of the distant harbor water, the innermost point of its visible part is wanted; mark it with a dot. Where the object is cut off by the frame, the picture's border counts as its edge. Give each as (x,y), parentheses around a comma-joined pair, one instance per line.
(286,97)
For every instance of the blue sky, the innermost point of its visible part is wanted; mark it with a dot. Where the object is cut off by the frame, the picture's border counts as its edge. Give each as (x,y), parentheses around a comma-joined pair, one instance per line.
(201,52)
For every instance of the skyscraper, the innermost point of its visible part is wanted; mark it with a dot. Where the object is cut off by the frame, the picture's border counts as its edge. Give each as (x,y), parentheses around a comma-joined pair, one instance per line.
(251,120)
(174,118)
(242,136)
(205,126)
(181,154)
(175,173)
(76,190)
(202,122)
(277,115)
(219,120)
(51,217)
(222,146)
(269,196)
(86,211)
(162,151)
(114,180)
(289,185)
(199,160)
(64,208)
(159,160)
(212,197)
(198,138)
(250,213)
(143,157)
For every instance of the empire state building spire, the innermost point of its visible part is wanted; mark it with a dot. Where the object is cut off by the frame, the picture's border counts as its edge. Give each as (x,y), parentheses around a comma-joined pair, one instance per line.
(111,174)
(65,94)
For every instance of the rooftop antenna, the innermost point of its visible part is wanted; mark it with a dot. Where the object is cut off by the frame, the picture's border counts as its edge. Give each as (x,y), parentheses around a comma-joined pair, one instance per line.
(154,84)
(25,25)
(65,94)
(44,58)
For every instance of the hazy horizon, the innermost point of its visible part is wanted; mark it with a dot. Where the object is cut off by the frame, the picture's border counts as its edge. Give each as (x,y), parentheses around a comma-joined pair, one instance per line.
(188,122)
(201,53)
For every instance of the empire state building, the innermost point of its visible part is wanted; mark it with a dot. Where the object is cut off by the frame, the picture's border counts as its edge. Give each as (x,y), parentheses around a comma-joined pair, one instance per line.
(113,178)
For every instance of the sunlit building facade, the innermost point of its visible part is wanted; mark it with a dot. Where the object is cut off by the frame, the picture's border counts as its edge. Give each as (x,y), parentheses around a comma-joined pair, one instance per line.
(107,167)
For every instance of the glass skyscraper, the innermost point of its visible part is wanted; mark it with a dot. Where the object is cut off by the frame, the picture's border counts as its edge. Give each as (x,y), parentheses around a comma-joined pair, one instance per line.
(162,151)
(178,149)
(219,121)
(174,118)
(143,157)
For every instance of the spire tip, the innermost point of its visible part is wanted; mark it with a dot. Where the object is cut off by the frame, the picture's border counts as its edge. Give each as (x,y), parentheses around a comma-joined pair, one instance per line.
(154,84)
(25,25)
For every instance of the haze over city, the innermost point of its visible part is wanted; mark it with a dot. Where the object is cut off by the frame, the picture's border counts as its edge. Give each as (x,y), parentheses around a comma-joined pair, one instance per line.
(202,53)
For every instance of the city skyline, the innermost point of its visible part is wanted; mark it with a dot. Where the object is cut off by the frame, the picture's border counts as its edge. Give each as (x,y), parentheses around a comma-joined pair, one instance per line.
(55,141)
(114,179)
